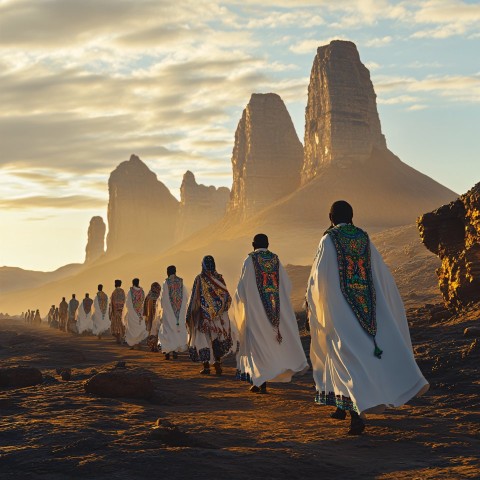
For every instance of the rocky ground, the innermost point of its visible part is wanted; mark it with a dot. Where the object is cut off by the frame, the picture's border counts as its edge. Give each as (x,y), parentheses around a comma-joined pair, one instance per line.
(212,427)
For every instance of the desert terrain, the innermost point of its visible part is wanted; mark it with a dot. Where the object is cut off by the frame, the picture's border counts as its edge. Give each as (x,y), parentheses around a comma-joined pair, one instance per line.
(213,427)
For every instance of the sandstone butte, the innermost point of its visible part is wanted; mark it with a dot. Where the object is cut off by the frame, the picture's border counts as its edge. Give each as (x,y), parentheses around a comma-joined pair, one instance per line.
(267,156)
(199,206)
(96,239)
(453,233)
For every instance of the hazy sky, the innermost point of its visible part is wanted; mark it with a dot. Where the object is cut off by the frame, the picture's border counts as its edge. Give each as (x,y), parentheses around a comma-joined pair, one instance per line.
(83,84)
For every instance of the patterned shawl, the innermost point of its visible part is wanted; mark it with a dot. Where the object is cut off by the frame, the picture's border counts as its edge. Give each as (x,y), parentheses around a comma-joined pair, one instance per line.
(151,300)
(117,300)
(209,300)
(267,275)
(175,294)
(356,281)
(87,304)
(102,302)
(138,297)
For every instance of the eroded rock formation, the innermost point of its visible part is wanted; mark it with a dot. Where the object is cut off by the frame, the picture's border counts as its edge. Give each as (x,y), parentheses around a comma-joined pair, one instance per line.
(341,119)
(200,206)
(453,233)
(141,210)
(267,156)
(96,239)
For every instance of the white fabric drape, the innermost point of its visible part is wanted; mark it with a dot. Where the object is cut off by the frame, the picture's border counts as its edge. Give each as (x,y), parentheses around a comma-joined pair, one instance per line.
(135,328)
(171,337)
(101,321)
(260,355)
(342,352)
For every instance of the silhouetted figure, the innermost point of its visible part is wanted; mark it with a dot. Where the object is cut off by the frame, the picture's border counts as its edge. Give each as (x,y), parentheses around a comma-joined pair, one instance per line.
(117,303)
(63,315)
(171,315)
(135,328)
(72,315)
(101,319)
(84,315)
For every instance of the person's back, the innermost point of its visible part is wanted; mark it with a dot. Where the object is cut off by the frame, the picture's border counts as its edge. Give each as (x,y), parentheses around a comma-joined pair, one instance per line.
(265,323)
(361,351)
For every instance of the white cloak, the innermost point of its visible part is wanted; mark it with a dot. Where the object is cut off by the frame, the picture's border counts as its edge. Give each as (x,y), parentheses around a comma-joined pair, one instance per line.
(342,352)
(135,328)
(260,355)
(172,334)
(84,320)
(101,321)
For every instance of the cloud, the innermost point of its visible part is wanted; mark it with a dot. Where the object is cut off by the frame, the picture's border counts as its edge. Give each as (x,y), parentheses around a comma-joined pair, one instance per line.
(309,46)
(378,42)
(36,202)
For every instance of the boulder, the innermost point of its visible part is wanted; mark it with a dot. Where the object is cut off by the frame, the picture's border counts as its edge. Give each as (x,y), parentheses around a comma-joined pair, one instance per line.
(20,376)
(120,384)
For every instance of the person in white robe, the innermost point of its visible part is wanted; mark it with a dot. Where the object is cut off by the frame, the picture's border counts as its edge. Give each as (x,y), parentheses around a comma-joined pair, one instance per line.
(171,315)
(101,319)
(84,315)
(264,323)
(133,319)
(209,328)
(361,351)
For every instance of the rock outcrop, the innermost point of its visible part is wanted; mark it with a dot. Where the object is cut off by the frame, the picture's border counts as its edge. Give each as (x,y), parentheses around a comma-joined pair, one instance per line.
(267,156)
(20,376)
(200,206)
(141,210)
(96,239)
(453,233)
(341,119)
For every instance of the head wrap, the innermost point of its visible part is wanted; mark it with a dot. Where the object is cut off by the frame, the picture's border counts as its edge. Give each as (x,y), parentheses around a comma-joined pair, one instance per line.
(154,290)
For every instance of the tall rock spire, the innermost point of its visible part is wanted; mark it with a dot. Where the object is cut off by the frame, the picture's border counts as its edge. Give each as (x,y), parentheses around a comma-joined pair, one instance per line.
(267,156)
(96,239)
(341,118)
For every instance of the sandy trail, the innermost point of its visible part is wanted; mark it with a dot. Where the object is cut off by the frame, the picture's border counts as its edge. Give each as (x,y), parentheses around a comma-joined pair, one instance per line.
(56,430)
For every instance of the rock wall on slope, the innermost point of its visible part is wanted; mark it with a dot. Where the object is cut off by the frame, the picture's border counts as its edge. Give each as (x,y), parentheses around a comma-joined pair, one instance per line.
(453,233)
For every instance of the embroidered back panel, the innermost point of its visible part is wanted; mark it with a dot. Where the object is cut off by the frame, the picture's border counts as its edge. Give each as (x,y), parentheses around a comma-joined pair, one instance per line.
(87,304)
(356,281)
(267,275)
(214,300)
(118,298)
(138,297)
(175,294)
(102,302)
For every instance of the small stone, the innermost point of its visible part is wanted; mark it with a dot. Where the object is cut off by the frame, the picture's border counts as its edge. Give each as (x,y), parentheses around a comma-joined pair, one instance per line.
(472,332)
(20,377)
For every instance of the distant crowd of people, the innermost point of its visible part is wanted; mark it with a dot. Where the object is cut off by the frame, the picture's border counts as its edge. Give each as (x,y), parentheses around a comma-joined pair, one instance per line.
(32,316)
(361,352)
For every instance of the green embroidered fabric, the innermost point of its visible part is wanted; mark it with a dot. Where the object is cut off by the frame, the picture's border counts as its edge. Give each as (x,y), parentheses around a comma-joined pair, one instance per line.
(356,281)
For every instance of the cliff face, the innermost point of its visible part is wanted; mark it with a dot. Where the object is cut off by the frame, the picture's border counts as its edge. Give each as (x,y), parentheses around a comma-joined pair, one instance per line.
(141,210)
(200,206)
(267,156)
(96,239)
(341,119)
(453,233)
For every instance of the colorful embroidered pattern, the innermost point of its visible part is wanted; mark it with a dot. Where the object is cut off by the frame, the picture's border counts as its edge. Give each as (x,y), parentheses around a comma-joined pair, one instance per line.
(102,302)
(175,294)
(138,297)
(356,282)
(87,305)
(339,401)
(118,298)
(199,356)
(214,301)
(267,275)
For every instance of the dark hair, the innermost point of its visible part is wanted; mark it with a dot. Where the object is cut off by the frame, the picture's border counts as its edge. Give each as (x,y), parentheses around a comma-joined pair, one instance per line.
(118,283)
(171,270)
(63,298)
(208,263)
(260,240)
(135,282)
(100,287)
(87,295)
(73,295)
(341,212)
